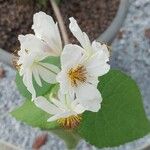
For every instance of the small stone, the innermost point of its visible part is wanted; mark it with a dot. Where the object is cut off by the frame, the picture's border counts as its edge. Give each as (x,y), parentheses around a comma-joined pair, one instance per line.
(2,72)
(147,33)
(120,34)
(136,45)
(39,141)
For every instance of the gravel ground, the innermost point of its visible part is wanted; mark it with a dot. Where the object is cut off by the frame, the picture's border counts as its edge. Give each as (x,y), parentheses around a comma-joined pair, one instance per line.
(131,49)
(130,53)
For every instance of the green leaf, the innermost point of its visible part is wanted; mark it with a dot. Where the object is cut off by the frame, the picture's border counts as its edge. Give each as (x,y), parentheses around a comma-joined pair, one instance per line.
(39,90)
(122,117)
(33,116)
(46,87)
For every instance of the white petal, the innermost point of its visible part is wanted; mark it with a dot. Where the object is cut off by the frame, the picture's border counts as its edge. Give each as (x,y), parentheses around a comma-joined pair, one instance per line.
(30,43)
(96,66)
(45,105)
(46,29)
(51,67)
(86,91)
(63,80)
(89,97)
(59,116)
(72,55)
(81,36)
(27,80)
(58,103)
(48,72)
(36,76)
(61,96)
(77,107)
(93,105)
(65,87)
(99,70)
(66,98)
(102,49)
(93,80)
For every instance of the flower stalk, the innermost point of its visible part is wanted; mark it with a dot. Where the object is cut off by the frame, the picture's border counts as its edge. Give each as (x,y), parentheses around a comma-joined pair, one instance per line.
(60,21)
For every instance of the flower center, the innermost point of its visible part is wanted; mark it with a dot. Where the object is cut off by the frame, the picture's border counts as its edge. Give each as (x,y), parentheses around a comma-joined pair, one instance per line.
(77,75)
(70,122)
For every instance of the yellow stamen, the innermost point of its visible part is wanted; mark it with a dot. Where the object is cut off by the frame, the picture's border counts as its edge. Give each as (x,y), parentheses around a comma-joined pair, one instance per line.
(77,74)
(70,122)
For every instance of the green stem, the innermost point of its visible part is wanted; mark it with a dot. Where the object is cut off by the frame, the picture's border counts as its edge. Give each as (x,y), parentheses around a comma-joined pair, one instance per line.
(70,137)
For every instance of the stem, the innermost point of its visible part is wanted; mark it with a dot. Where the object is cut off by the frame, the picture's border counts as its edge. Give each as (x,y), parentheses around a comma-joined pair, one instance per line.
(60,21)
(70,137)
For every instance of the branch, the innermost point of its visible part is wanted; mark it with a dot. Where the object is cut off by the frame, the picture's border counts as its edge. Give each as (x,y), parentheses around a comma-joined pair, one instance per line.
(60,21)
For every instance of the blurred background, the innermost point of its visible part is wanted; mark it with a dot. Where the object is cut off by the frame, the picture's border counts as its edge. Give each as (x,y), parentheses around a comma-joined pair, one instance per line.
(130,53)
(94,17)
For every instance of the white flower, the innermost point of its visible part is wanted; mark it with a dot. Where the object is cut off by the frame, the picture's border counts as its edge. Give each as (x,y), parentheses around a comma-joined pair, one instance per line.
(82,37)
(47,30)
(64,109)
(35,48)
(81,67)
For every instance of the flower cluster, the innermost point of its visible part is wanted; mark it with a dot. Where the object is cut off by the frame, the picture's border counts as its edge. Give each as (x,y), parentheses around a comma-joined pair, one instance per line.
(77,77)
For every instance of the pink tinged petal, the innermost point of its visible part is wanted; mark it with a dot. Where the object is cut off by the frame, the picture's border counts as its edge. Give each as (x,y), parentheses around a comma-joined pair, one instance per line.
(45,105)
(48,31)
(59,116)
(37,76)
(48,72)
(81,36)
(72,54)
